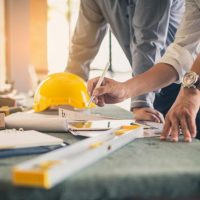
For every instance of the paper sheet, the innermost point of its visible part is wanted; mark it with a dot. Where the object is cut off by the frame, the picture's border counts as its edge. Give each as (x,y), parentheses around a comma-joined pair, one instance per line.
(151,129)
(153,125)
(10,139)
(146,133)
(99,125)
(80,116)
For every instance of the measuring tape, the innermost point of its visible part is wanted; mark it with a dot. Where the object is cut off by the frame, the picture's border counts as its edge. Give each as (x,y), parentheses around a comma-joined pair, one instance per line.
(51,168)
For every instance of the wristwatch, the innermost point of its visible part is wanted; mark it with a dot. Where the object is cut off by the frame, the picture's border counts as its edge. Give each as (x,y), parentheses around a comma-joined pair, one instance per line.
(191,80)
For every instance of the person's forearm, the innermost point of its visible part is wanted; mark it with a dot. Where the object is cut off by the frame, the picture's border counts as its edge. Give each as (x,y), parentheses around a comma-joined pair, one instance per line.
(157,77)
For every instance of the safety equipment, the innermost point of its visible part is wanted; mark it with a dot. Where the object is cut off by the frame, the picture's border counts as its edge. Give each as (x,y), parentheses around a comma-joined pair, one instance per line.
(61,89)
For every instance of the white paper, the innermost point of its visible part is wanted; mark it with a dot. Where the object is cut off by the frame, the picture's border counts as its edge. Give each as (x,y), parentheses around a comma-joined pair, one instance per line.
(97,125)
(158,126)
(147,133)
(10,139)
(80,116)
(152,129)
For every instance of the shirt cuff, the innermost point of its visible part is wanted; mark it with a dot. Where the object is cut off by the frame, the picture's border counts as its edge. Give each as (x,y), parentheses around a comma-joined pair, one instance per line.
(179,58)
(140,104)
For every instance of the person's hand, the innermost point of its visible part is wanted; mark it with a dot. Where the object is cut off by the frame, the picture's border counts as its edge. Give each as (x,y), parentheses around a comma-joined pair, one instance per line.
(181,116)
(147,114)
(109,92)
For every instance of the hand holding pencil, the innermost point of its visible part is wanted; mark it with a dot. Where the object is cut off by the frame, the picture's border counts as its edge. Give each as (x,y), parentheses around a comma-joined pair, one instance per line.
(100,80)
(106,91)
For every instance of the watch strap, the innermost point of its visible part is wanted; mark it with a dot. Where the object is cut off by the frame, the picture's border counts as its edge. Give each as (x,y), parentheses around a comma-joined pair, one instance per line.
(197,84)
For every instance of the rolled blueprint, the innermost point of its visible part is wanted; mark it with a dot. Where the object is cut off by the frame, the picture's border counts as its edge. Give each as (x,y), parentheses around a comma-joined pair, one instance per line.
(36,121)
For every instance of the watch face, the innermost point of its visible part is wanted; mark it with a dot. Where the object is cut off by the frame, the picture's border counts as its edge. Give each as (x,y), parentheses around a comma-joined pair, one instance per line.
(190,79)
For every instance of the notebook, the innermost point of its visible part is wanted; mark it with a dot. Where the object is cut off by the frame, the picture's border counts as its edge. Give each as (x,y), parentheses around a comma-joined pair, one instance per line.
(11,139)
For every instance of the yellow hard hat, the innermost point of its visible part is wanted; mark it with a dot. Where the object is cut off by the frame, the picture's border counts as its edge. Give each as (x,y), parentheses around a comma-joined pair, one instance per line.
(61,89)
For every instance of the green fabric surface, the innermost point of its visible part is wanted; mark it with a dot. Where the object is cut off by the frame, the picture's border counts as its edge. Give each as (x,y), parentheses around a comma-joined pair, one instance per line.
(144,169)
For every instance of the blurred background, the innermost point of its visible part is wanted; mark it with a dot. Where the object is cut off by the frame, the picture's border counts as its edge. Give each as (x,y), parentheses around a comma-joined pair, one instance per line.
(35,41)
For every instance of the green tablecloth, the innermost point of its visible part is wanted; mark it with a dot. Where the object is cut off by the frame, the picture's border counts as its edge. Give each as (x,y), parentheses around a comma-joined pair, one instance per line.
(144,169)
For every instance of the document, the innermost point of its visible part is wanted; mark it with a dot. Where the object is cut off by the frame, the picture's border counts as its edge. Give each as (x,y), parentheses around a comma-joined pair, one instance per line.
(99,125)
(152,129)
(80,116)
(11,139)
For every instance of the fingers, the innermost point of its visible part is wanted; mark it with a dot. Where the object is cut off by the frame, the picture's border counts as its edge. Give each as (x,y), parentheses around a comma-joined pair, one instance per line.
(171,127)
(188,127)
(185,129)
(166,130)
(148,114)
(192,126)
(175,129)
(159,116)
(91,85)
(174,124)
(101,90)
(101,101)
(147,117)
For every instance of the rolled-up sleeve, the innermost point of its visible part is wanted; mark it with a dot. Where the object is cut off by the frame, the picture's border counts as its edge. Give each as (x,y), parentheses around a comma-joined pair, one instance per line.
(186,46)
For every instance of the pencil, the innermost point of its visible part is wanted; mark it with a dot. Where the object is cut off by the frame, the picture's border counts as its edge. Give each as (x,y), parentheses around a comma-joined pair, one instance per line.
(99,82)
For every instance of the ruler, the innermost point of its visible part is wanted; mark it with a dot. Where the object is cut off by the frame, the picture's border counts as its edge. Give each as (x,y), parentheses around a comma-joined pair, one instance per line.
(51,168)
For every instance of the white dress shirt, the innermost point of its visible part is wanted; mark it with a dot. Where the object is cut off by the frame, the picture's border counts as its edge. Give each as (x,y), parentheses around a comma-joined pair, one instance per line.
(186,46)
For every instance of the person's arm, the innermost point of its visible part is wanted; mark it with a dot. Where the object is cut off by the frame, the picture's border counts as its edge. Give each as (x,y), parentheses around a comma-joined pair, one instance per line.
(157,77)
(178,58)
(183,113)
(89,33)
(113,91)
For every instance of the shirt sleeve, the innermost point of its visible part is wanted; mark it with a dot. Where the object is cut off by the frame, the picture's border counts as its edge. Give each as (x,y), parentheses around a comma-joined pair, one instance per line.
(184,50)
(88,35)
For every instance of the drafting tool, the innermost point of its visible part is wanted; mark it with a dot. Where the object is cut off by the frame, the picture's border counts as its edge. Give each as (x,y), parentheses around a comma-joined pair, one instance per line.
(50,169)
(99,82)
